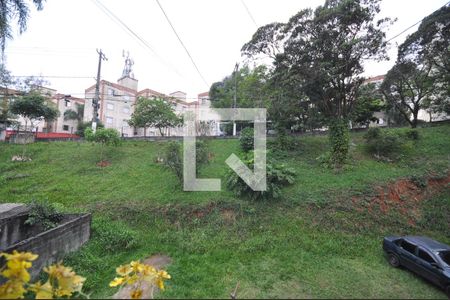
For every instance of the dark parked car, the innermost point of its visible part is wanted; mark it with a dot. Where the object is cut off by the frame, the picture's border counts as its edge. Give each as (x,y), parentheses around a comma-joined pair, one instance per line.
(422,255)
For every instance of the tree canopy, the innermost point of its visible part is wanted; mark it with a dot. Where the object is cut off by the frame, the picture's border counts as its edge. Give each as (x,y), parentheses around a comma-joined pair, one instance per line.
(154,113)
(321,53)
(421,76)
(14,10)
(251,88)
(34,107)
(318,60)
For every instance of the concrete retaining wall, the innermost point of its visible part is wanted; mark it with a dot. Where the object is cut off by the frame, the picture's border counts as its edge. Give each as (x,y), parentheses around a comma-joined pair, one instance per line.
(50,245)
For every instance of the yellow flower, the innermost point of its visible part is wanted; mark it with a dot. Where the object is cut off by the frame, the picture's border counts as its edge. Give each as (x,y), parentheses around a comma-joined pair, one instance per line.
(132,279)
(20,256)
(148,270)
(117,281)
(160,283)
(43,291)
(124,270)
(68,281)
(162,275)
(136,294)
(137,266)
(17,269)
(12,290)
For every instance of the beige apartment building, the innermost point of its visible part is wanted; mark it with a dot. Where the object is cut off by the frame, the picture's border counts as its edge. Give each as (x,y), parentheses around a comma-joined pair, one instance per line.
(117,103)
(65,103)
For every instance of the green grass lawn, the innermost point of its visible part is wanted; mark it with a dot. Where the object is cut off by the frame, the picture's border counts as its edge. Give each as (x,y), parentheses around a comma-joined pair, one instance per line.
(311,243)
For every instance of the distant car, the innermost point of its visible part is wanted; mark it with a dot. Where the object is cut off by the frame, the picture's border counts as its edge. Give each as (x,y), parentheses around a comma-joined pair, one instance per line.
(424,256)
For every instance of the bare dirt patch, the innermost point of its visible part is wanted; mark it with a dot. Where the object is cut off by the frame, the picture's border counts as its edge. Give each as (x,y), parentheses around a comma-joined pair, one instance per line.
(403,196)
(103,164)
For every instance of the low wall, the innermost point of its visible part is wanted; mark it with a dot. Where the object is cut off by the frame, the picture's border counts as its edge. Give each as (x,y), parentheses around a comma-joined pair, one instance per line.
(22,138)
(50,245)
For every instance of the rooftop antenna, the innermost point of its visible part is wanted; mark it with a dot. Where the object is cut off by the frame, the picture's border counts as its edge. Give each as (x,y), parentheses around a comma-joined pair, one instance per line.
(127,69)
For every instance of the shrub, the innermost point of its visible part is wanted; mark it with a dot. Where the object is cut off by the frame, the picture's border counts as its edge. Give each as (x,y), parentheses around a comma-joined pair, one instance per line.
(201,152)
(113,236)
(277,177)
(411,134)
(43,214)
(246,140)
(104,137)
(173,158)
(283,142)
(383,143)
(84,125)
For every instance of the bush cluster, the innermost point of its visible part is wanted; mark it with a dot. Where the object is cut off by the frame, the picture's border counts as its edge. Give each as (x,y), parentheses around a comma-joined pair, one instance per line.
(388,143)
(173,157)
(43,214)
(104,136)
(277,176)
(246,140)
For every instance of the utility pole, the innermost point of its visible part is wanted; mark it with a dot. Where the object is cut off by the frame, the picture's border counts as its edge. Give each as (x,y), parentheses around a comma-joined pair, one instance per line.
(236,67)
(96,100)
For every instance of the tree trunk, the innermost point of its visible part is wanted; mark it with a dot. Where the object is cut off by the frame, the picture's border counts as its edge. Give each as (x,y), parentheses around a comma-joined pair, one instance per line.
(414,121)
(160,131)
(339,136)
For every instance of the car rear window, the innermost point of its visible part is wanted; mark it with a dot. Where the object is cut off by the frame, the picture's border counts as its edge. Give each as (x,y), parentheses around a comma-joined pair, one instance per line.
(445,255)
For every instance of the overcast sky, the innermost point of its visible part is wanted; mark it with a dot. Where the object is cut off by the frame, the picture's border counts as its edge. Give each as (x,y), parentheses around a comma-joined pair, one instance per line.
(62,39)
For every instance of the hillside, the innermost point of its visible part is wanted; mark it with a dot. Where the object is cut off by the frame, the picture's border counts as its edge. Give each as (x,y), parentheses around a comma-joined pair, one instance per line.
(322,239)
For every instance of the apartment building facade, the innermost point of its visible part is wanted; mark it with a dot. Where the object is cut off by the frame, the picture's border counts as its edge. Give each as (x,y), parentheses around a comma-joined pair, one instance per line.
(117,103)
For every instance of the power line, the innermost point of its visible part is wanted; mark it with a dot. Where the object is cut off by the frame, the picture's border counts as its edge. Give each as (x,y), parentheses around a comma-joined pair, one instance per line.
(50,76)
(130,32)
(249,13)
(182,44)
(399,34)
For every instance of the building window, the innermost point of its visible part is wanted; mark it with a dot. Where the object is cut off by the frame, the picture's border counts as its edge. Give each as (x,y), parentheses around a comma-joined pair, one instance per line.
(110,92)
(126,110)
(66,127)
(109,120)
(126,98)
(110,106)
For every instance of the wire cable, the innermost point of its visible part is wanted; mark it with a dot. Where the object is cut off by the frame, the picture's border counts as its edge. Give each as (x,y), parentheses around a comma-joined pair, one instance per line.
(182,44)
(399,34)
(56,76)
(133,34)
(249,13)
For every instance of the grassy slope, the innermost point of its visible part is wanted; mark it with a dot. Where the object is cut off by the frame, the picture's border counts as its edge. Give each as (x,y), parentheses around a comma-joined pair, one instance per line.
(287,248)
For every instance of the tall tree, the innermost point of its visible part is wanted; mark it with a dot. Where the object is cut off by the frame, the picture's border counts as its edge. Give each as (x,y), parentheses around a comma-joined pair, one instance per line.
(6,81)
(10,11)
(323,52)
(76,114)
(154,113)
(420,78)
(251,89)
(409,87)
(34,107)
(370,100)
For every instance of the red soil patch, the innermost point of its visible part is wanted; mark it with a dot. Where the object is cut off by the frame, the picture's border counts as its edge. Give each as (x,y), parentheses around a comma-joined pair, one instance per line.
(103,164)
(403,196)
